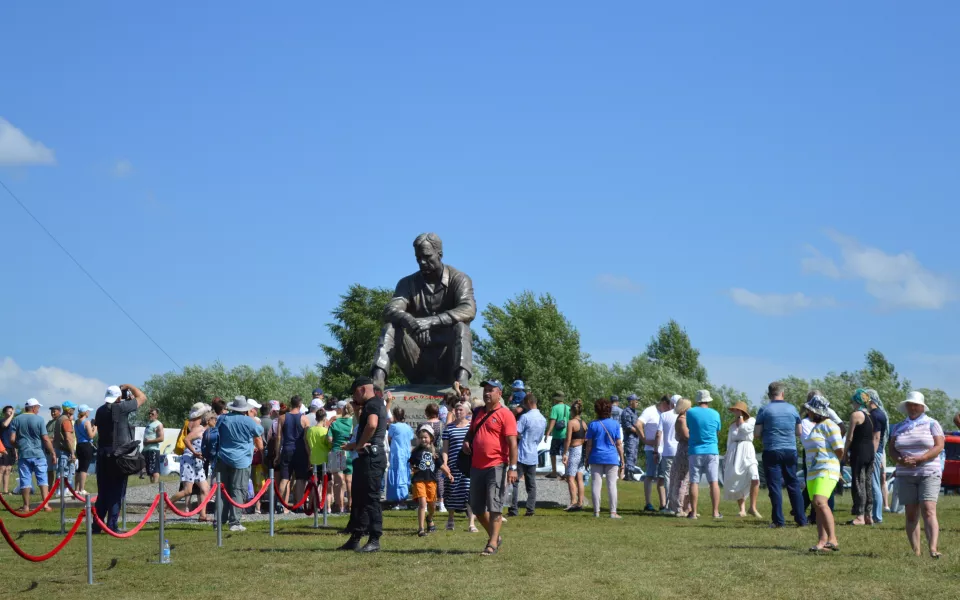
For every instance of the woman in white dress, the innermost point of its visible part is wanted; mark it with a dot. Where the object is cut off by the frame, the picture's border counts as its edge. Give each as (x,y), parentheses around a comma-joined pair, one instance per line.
(740,474)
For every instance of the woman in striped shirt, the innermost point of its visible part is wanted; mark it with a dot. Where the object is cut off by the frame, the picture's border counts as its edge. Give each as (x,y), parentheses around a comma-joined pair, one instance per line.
(824,451)
(915,446)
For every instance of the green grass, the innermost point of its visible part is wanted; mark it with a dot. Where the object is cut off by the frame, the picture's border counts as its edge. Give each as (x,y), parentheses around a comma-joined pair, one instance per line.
(553,555)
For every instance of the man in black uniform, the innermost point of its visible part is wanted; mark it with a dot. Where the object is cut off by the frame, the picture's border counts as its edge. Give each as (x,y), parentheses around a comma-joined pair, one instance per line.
(366,516)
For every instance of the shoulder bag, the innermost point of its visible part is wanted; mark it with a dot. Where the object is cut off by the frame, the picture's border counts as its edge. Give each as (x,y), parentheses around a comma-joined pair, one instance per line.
(464,460)
(612,441)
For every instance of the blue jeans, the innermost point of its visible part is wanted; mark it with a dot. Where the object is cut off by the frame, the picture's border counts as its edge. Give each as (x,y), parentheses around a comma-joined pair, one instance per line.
(879,465)
(780,469)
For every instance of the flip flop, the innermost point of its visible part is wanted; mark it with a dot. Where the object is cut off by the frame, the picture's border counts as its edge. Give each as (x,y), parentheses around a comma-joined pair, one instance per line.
(473,530)
(817,549)
(832,547)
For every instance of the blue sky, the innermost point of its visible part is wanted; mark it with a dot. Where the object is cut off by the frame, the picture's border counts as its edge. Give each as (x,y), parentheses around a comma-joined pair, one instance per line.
(780,181)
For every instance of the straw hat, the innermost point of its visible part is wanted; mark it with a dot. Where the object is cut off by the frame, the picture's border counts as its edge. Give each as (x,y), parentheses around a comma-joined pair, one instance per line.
(913,398)
(742,407)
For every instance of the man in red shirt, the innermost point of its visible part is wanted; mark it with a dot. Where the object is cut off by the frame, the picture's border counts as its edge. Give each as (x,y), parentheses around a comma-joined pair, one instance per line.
(492,445)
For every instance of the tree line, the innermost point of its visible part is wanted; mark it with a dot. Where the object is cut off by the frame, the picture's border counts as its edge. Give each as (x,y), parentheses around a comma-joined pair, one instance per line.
(527,338)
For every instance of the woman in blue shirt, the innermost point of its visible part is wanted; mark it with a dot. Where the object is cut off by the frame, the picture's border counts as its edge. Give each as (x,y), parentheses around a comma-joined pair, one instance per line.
(604,452)
(398,473)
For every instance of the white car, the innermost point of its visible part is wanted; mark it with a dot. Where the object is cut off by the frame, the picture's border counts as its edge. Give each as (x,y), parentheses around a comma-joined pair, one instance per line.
(170,464)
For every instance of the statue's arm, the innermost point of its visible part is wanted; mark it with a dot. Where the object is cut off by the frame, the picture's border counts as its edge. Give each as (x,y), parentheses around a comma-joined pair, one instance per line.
(396,309)
(466,305)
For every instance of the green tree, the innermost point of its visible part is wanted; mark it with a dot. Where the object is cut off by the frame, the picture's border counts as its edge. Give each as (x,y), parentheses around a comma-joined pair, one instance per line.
(356,331)
(530,339)
(174,392)
(671,346)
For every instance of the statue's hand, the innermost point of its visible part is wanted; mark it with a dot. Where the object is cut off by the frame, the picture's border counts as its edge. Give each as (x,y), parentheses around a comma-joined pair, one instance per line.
(423,337)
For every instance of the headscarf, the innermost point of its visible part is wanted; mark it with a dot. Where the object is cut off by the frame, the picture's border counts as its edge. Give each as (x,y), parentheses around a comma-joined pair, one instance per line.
(875,398)
(862,399)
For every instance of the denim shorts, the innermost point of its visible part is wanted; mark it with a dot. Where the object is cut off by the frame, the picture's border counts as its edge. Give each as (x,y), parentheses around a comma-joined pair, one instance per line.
(652,466)
(32,466)
(704,464)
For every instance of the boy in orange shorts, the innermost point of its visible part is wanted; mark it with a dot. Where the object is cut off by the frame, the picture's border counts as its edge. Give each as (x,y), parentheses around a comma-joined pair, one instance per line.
(426,465)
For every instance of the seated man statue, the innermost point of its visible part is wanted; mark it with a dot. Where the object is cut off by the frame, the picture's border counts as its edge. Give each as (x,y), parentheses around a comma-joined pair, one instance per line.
(426,326)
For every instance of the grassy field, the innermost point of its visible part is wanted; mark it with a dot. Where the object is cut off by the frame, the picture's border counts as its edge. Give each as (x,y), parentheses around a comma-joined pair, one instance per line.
(553,555)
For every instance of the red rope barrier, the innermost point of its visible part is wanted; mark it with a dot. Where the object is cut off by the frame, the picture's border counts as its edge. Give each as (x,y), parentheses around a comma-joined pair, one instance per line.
(53,490)
(48,555)
(193,512)
(252,501)
(78,496)
(306,496)
(323,498)
(132,532)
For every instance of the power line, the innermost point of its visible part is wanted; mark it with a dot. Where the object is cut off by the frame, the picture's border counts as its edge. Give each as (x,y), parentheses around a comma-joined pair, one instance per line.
(87,273)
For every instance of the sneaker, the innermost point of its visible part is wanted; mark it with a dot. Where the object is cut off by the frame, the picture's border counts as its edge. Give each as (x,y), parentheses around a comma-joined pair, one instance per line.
(649,508)
(237,528)
(442,508)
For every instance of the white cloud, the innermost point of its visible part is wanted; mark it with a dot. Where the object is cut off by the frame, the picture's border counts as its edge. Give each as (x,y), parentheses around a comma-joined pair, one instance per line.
(618,283)
(49,385)
(897,281)
(776,304)
(122,168)
(16,149)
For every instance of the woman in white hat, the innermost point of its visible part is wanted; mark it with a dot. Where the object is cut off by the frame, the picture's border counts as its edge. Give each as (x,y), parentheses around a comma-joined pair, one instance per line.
(915,446)
(823,451)
(192,472)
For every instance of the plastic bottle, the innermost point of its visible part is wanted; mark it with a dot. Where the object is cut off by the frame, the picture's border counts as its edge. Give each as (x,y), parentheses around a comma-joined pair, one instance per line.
(165,557)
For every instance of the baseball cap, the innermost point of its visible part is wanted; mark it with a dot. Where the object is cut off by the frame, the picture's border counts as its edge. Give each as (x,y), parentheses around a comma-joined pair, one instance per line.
(112,395)
(631,397)
(518,385)
(274,405)
(69,404)
(342,404)
(83,408)
(360,382)
(33,402)
(674,399)
(316,403)
(614,398)
(492,383)
(56,407)
(318,391)
(253,403)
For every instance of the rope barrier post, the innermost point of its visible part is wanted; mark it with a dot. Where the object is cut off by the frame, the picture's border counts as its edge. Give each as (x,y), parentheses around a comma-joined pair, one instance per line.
(63,498)
(219,520)
(89,519)
(123,513)
(273,505)
(316,506)
(162,519)
(323,479)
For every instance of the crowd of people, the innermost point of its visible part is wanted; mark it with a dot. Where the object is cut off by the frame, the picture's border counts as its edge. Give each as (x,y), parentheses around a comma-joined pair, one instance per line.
(468,456)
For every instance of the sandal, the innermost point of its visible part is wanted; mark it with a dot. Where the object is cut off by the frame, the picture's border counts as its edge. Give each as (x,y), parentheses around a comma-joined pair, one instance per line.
(421,533)
(450,526)
(817,549)
(831,546)
(615,516)
(473,529)
(491,549)
(935,555)
(431,526)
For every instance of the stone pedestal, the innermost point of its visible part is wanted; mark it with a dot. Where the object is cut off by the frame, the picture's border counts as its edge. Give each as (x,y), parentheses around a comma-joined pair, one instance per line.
(414,398)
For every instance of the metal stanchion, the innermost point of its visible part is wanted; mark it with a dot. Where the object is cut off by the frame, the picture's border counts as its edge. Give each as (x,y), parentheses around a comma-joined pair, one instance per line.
(316,498)
(163,513)
(89,522)
(219,511)
(123,514)
(63,498)
(273,505)
(323,477)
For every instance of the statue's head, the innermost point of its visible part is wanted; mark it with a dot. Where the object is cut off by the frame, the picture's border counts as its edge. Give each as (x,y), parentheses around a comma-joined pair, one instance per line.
(429,250)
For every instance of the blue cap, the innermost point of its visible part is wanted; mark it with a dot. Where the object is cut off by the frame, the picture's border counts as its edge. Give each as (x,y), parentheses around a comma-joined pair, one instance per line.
(83,408)
(518,385)
(614,398)
(518,397)
(493,383)
(67,404)
(632,397)
(318,391)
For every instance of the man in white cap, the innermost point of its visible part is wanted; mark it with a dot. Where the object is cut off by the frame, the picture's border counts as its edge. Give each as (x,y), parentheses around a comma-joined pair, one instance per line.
(704,450)
(668,444)
(115,432)
(29,433)
(237,437)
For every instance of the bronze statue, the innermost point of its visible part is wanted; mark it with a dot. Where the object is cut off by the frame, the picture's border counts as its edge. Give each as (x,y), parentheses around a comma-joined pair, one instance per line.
(426,326)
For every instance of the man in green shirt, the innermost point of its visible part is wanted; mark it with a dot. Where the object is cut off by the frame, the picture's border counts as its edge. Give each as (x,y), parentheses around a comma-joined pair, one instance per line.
(559,416)
(152,438)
